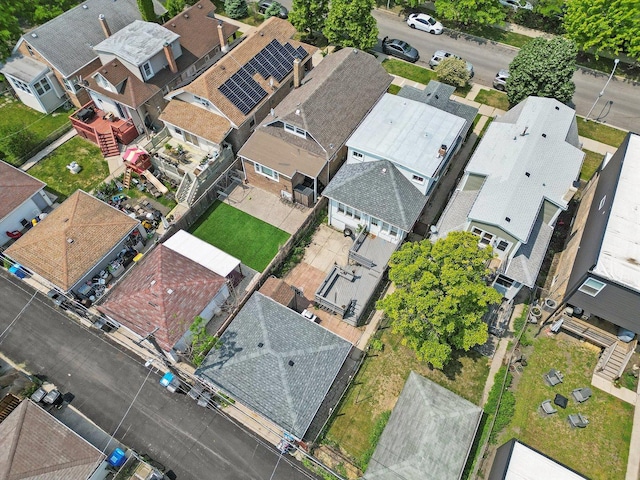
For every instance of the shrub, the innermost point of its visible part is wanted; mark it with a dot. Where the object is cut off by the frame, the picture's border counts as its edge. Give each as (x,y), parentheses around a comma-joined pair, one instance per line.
(273,10)
(453,71)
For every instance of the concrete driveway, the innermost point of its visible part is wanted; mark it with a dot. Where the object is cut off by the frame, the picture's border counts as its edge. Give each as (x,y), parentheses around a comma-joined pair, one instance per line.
(117,392)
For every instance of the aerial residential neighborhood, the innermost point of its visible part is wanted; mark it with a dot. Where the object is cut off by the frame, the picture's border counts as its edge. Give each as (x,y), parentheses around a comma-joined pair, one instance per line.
(311,240)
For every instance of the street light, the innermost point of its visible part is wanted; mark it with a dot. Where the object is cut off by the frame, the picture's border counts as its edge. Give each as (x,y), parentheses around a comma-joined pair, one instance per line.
(615,64)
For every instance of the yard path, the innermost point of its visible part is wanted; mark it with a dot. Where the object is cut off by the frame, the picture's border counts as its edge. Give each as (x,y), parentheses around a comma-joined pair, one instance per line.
(47,150)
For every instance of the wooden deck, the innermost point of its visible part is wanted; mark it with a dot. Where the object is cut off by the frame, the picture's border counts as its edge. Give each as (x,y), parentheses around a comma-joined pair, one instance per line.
(587,331)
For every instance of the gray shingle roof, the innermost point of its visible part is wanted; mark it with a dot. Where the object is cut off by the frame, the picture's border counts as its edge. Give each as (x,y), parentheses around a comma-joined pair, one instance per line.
(380,190)
(523,170)
(24,68)
(262,377)
(526,263)
(439,95)
(67,41)
(428,436)
(334,97)
(456,213)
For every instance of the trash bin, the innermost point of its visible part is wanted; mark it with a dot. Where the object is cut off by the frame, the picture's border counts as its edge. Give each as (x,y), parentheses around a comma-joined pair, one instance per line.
(117,458)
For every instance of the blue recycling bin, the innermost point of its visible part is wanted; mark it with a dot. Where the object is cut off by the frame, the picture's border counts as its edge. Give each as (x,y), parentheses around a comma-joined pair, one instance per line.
(117,458)
(167,379)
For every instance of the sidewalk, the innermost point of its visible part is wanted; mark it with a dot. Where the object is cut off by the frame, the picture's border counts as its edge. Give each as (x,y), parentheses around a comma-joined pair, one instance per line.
(47,150)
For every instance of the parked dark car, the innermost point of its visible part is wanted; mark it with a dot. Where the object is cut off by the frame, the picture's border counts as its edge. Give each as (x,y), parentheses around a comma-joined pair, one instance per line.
(265,4)
(400,49)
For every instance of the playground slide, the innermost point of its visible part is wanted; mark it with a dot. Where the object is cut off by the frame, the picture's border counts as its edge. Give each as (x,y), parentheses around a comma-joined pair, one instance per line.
(154,181)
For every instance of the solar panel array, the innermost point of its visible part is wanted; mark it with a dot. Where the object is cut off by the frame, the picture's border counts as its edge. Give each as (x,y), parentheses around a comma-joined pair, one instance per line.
(275,60)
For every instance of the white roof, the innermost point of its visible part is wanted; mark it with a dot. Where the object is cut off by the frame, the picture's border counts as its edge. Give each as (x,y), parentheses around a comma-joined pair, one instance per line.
(527,464)
(408,133)
(523,170)
(203,253)
(137,42)
(620,250)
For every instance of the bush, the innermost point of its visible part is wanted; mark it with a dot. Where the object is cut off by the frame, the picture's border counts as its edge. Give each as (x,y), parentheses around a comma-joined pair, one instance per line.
(16,142)
(236,9)
(453,71)
(273,10)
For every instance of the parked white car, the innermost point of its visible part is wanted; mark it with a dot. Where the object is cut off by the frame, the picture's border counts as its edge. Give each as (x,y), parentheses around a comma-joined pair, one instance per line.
(516,4)
(424,22)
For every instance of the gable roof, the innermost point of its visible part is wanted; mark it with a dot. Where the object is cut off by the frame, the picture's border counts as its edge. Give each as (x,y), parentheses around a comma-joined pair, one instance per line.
(428,435)
(165,291)
(137,42)
(409,133)
(276,362)
(196,120)
(379,189)
(130,89)
(278,290)
(33,444)
(528,155)
(67,40)
(16,187)
(207,85)
(94,229)
(334,97)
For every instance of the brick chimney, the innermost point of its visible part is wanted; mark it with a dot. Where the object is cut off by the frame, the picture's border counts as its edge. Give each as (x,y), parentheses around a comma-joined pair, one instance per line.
(168,52)
(104,25)
(298,72)
(223,41)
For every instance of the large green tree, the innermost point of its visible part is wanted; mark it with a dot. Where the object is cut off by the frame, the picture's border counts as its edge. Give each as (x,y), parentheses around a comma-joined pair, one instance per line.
(471,12)
(350,24)
(236,8)
(146,10)
(441,296)
(174,7)
(605,26)
(309,15)
(9,27)
(543,68)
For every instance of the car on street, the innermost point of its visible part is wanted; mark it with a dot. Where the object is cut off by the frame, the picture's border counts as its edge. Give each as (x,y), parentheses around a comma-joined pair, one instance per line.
(441,55)
(400,49)
(424,22)
(516,4)
(264,5)
(500,80)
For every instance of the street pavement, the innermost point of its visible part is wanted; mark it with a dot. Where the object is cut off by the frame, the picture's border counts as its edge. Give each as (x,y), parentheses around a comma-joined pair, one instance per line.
(117,392)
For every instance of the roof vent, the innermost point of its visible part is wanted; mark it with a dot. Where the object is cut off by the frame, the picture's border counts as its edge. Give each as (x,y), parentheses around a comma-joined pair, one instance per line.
(186,15)
(557,107)
(199,5)
(507,219)
(298,111)
(173,25)
(527,174)
(291,363)
(262,34)
(524,132)
(65,220)
(153,282)
(544,135)
(384,170)
(355,50)
(85,6)
(169,291)
(260,345)
(69,240)
(437,97)
(34,35)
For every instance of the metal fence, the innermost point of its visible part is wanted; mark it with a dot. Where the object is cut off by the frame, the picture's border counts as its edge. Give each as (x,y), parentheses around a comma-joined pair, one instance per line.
(49,139)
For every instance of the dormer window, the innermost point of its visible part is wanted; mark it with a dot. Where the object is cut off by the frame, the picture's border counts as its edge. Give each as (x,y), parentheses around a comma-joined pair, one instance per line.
(202,101)
(147,71)
(295,130)
(101,81)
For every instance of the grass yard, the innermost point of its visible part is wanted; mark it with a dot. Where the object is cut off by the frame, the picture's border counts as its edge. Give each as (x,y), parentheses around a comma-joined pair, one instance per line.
(13,112)
(393,89)
(409,71)
(600,133)
(493,98)
(53,169)
(379,383)
(239,234)
(599,451)
(592,161)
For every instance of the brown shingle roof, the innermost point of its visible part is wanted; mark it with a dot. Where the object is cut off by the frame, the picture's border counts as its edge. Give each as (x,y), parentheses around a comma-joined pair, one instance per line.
(207,84)
(94,228)
(16,187)
(33,444)
(278,290)
(196,120)
(166,291)
(131,90)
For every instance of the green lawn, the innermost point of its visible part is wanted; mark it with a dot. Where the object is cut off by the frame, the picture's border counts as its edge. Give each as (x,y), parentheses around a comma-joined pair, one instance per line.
(393,89)
(251,240)
(408,71)
(53,169)
(600,133)
(13,112)
(379,383)
(599,451)
(493,98)
(592,161)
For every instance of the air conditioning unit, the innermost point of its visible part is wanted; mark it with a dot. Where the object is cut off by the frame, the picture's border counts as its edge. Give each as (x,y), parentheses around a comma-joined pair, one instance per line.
(286,195)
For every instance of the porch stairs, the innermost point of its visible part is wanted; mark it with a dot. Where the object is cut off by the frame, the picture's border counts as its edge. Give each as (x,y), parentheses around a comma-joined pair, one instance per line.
(126,180)
(614,360)
(108,144)
(8,405)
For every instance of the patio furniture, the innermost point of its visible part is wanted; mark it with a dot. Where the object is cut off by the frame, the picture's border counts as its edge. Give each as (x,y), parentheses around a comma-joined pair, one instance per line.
(547,407)
(554,377)
(561,401)
(582,394)
(578,420)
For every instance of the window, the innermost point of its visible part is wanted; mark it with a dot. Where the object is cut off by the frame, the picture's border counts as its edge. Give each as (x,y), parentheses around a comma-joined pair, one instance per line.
(602,202)
(357,215)
(19,84)
(267,172)
(177,130)
(295,130)
(147,71)
(340,208)
(418,179)
(252,122)
(38,88)
(592,287)
(393,231)
(30,50)
(375,222)
(504,281)
(202,101)
(100,80)
(45,84)
(502,245)
(71,84)
(356,154)
(190,138)
(485,237)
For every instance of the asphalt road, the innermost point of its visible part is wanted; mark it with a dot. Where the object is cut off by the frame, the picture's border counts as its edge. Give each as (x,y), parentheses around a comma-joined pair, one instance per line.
(111,387)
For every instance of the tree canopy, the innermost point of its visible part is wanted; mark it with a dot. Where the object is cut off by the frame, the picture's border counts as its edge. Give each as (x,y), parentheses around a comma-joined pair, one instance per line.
(146,10)
(441,296)
(543,68)
(350,24)
(9,27)
(236,8)
(174,7)
(476,12)
(453,71)
(273,10)
(309,15)
(604,26)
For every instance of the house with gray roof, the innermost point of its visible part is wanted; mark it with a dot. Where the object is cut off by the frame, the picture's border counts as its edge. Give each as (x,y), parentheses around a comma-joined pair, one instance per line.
(418,138)
(62,48)
(522,175)
(428,436)
(276,362)
(301,144)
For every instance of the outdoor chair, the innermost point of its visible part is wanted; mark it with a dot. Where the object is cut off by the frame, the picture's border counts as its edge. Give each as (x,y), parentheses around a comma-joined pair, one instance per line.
(547,407)
(578,420)
(581,394)
(554,377)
